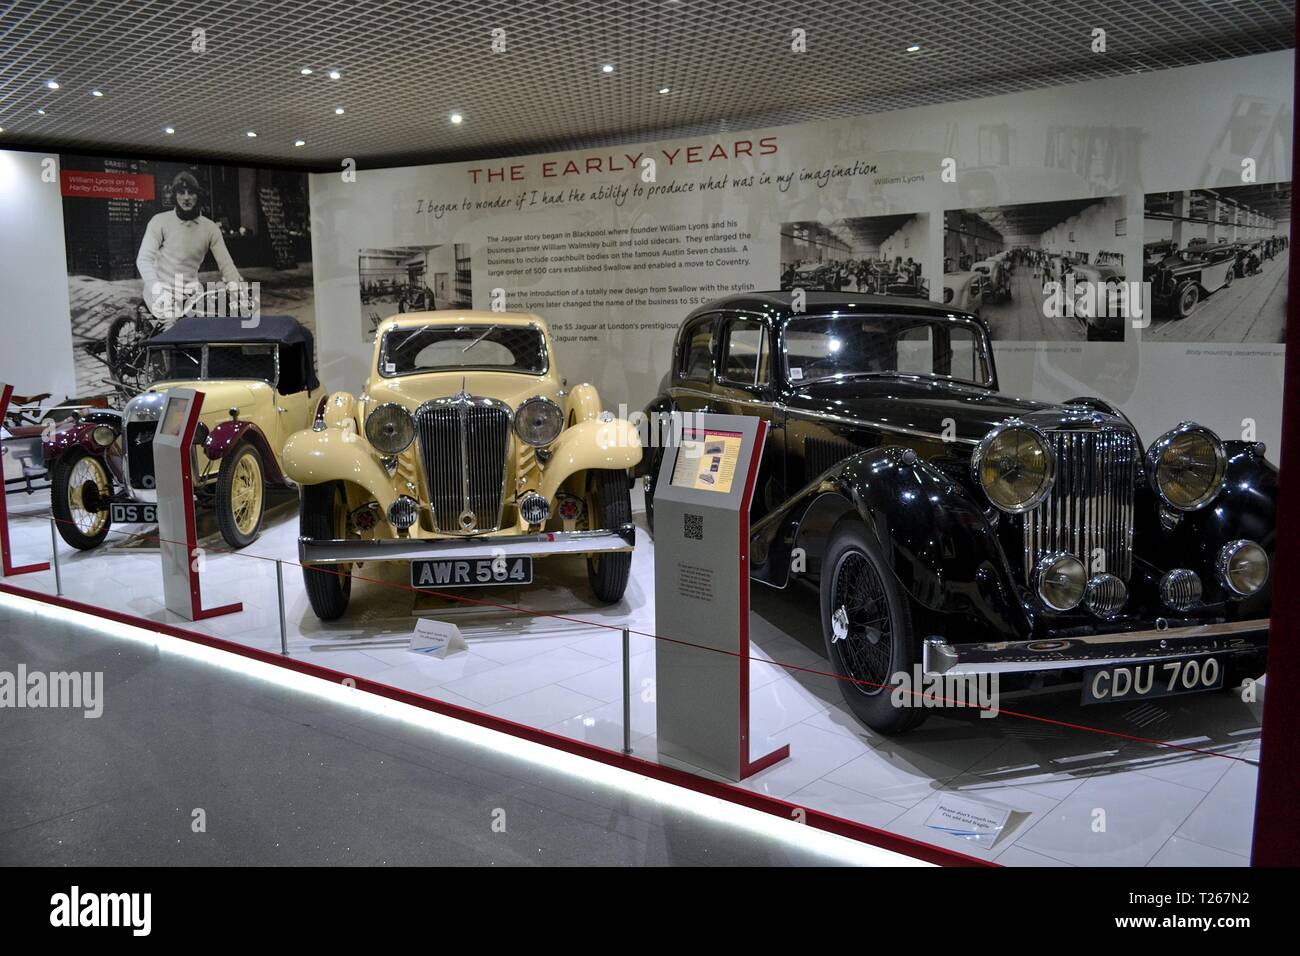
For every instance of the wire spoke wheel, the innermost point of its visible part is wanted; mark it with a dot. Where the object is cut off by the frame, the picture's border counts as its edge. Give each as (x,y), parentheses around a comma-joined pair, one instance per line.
(246,494)
(865,643)
(87,484)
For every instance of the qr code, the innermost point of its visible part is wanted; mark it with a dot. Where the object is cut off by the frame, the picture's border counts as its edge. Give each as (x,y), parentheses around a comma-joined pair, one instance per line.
(694,526)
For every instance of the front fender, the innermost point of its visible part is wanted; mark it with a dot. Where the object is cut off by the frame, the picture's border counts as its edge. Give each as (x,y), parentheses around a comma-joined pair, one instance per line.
(581,404)
(226,435)
(934,537)
(614,444)
(337,454)
(57,442)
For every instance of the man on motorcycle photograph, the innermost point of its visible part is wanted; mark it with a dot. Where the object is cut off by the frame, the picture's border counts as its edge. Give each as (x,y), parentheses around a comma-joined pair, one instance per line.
(174,246)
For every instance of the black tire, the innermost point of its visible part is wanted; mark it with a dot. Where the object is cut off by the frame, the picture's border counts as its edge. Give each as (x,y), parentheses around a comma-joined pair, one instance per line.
(853,564)
(610,501)
(1186,295)
(124,348)
(61,502)
(322,513)
(227,520)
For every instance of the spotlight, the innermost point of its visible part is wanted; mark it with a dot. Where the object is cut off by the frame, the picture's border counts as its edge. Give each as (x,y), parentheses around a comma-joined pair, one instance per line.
(457,119)
(664,89)
(335,75)
(305,71)
(168,130)
(914,48)
(96,93)
(338,111)
(300,142)
(251,135)
(607,68)
(52,85)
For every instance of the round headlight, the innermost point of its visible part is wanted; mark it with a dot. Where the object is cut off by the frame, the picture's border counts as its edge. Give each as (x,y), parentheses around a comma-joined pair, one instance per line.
(539,421)
(1060,580)
(1186,466)
(1242,567)
(1015,466)
(390,429)
(103,436)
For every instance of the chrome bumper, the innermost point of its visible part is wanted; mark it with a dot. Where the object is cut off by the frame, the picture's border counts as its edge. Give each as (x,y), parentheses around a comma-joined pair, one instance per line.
(543,545)
(1128,647)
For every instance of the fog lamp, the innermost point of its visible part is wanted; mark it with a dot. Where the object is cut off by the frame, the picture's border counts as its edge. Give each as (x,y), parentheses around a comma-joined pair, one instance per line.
(1060,581)
(1242,567)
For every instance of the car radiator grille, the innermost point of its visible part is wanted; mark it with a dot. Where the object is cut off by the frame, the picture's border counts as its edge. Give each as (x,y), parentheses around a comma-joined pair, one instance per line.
(463,447)
(139,454)
(1089,511)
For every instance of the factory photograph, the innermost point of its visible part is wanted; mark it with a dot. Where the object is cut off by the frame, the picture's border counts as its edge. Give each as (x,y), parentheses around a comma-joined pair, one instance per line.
(1214,262)
(882,255)
(1039,272)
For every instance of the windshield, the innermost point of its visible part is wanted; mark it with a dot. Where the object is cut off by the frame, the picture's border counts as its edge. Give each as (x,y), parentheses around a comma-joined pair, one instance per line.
(191,362)
(440,348)
(824,347)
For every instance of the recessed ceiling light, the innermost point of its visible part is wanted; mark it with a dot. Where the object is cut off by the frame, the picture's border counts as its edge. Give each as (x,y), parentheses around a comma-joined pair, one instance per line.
(338,111)
(300,142)
(52,84)
(2,129)
(335,75)
(457,119)
(664,89)
(96,93)
(40,111)
(169,130)
(607,68)
(914,48)
(305,71)
(251,135)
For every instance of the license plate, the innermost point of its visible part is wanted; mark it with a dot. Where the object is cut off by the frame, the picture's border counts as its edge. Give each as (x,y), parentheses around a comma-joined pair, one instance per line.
(133,512)
(1104,685)
(470,572)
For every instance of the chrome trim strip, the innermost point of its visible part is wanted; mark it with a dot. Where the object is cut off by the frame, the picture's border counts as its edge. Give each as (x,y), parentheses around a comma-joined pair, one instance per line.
(346,550)
(1125,647)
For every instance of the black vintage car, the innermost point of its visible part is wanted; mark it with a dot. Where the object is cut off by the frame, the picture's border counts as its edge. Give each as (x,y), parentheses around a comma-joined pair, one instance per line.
(1182,278)
(949,526)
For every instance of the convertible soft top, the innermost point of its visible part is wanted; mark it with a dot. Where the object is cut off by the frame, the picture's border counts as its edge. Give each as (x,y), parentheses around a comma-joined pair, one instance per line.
(283,330)
(202,330)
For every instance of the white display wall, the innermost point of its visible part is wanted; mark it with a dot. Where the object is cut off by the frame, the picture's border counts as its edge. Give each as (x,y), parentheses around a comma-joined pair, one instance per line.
(615,262)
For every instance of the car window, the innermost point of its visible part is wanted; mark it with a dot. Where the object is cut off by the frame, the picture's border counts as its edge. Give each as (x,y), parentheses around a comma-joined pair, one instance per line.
(745,353)
(242,361)
(697,351)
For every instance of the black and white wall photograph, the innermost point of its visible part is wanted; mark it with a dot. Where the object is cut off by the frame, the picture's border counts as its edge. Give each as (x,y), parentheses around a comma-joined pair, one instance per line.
(1039,272)
(412,279)
(881,255)
(140,232)
(1214,259)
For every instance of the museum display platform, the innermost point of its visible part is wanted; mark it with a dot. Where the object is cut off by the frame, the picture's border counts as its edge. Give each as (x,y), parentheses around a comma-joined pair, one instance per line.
(1069,785)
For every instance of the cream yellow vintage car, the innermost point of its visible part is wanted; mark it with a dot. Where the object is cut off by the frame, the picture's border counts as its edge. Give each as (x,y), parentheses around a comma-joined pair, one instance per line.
(466,457)
(259,387)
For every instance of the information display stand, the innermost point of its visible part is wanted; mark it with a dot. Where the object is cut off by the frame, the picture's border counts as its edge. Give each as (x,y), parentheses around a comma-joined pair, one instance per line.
(172,449)
(702,498)
(6,562)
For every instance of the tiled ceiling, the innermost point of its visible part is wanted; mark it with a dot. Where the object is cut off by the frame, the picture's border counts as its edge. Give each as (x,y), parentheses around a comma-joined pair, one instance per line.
(406,65)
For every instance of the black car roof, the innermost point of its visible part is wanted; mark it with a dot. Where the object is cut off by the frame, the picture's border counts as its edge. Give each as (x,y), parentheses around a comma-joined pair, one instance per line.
(202,330)
(780,305)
